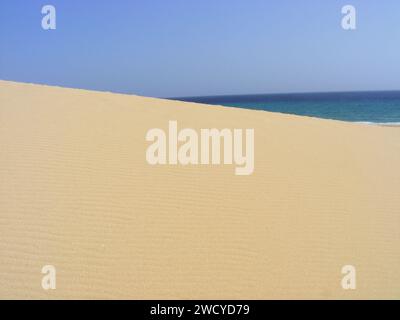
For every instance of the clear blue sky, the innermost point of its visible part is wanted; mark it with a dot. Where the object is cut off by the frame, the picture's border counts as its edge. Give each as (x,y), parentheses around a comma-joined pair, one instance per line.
(169,48)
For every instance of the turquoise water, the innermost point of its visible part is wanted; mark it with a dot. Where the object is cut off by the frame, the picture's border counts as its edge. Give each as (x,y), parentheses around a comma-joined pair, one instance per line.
(372,107)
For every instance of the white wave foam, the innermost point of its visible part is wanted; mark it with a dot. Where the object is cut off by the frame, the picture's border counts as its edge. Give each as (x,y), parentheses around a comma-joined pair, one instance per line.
(396,124)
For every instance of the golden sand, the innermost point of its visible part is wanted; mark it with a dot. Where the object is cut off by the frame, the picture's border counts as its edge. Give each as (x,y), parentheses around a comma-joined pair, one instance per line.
(76,192)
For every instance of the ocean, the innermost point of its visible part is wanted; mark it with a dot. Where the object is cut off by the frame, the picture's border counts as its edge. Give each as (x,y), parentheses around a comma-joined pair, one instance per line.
(381,107)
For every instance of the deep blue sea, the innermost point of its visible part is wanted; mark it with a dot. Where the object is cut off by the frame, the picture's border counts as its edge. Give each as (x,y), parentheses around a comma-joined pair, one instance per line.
(373,107)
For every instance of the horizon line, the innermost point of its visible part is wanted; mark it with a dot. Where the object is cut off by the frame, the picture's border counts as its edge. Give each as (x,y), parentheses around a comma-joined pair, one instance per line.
(282,93)
(203,96)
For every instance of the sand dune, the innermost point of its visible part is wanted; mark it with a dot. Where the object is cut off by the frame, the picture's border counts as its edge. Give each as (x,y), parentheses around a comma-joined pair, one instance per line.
(76,192)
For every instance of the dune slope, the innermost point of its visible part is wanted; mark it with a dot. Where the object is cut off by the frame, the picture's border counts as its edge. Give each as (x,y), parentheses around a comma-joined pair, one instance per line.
(76,192)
